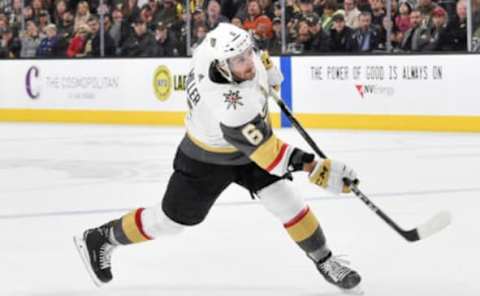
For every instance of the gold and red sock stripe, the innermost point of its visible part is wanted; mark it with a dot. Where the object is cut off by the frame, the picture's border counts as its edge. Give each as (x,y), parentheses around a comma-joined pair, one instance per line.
(129,229)
(305,230)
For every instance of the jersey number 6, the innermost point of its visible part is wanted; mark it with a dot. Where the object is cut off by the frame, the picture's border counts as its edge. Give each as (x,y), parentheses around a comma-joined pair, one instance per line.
(252,134)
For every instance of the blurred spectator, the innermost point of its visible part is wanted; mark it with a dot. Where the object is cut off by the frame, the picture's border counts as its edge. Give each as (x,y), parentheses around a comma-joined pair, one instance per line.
(167,13)
(438,33)
(9,44)
(320,37)
(426,8)
(30,41)
(417,37)
(254,12)
(65,26)
(5,7)
(199,17)
(78,43)
(154,7)
(130,10)
(199,34)
(365,37)
(120,30)
(231,8)
(166,42)
(306,7)
(275,43)
(378,13)
(60,9)
(402,21)
(48,47)
(303,39)
(476,26)
(329,9)
(340,35)
(147,16)
(214,17)
(266,7)
(237,22)
(28,13)
(457,28)
(43,22)
(15,18)
(82,14)
(395,37)
(37,6)
(263,32)
(277,10)
(141,43)
(109,44)
(3,23)
(351,12)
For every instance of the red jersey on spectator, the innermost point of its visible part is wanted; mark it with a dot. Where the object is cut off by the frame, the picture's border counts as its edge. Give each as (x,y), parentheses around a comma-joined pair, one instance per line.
(77,46)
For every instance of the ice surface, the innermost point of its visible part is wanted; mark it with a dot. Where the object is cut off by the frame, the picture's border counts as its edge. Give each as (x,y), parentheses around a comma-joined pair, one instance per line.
(56,180)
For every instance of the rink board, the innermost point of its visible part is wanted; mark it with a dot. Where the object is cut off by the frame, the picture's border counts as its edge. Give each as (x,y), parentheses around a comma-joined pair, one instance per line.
(417,93)
(412,93)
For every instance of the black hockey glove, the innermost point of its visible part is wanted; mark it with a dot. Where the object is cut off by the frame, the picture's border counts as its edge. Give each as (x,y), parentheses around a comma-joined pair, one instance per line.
(298,159)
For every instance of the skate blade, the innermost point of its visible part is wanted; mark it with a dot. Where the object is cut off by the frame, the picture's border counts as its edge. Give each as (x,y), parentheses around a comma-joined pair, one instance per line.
(355,291)
(82,251)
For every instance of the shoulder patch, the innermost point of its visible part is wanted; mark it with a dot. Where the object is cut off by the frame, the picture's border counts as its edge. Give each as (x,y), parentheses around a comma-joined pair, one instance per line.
(232,98)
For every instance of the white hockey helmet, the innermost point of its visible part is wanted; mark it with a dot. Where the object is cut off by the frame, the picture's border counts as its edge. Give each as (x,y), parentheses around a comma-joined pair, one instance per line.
(227,41)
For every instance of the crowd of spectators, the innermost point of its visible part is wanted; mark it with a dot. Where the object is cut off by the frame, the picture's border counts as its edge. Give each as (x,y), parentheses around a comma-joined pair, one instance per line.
(158,28)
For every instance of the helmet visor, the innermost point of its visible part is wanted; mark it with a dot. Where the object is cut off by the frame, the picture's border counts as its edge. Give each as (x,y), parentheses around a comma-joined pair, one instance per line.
(241,61)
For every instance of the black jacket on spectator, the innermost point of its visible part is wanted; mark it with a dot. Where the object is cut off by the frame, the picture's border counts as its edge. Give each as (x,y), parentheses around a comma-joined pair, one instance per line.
(377,20)
(120,32)
(416,39)
(438,40)
(140,46)
(12,49)
(179,29)
(168,47)
(359,36)
(341,41)
(63,29)
(457,34)
(109,45)
(321,42)
(64,33)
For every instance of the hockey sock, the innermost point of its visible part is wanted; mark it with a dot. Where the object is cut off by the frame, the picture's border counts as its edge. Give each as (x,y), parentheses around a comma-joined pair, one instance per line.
(128,229)
(305,230)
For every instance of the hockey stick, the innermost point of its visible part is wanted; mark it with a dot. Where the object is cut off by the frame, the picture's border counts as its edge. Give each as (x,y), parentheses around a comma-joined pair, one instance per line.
(432,226)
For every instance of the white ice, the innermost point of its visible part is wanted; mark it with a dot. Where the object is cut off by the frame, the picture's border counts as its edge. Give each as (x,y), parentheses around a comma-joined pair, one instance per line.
(57,180)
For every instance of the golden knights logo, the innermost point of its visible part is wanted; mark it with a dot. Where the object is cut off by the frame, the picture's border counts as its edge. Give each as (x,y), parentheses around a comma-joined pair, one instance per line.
(232,98)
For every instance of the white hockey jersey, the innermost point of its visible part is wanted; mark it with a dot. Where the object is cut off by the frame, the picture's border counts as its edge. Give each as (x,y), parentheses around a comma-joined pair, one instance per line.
(228,123)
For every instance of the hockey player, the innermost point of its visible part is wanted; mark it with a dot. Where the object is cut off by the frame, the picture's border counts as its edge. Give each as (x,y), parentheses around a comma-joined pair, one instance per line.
(229,139)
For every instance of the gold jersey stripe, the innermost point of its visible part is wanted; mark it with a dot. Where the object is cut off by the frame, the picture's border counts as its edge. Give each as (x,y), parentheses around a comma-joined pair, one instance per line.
(130,228)
(304,228)
(267,153)
(209,148)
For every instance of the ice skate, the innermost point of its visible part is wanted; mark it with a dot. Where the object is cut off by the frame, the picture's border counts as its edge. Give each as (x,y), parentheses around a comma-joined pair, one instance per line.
(95,250)
(335,271)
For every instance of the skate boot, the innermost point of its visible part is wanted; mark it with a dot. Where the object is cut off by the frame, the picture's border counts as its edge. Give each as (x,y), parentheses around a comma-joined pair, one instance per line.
(95,249)
(335,272)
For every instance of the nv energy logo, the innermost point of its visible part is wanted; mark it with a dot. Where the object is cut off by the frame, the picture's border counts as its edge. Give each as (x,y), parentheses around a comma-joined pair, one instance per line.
(367,90)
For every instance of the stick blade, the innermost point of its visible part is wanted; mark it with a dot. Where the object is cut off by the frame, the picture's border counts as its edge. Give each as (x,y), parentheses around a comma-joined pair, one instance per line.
(434,225)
